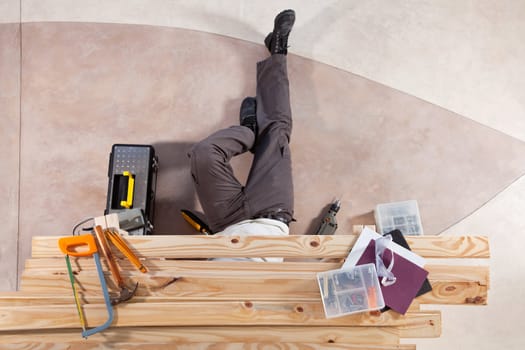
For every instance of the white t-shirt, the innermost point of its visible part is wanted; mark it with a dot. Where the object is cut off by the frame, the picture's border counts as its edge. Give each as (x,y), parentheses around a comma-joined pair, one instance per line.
(255,227)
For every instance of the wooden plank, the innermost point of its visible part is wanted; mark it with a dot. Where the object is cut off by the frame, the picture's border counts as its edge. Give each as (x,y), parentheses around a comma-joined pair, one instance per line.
(443,293)
(258,305)
(185,288)
(416,330)
(220,334)
(452,284)
(195,268)
(444,246)
(307,246)
(455,293)
(207,346)
(57,266)
(220,246)
(184,266)
(202,313)
(479,274)
(45,297)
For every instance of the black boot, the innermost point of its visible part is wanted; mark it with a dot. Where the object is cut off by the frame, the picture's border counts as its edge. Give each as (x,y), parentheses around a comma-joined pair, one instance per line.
(248,117)
(277,40)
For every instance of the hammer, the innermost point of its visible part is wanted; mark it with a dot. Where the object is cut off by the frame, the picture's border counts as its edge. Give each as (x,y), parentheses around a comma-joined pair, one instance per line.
(125,292)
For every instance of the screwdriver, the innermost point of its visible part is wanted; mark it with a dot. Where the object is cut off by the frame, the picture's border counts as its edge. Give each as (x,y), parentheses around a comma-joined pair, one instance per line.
(194,221)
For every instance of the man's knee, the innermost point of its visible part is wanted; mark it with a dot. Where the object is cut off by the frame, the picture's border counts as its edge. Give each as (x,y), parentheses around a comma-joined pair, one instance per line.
(199,150)
(203,154)
(197,153)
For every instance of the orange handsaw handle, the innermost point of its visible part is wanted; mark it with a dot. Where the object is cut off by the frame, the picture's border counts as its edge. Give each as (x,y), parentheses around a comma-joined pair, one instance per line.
(69,244)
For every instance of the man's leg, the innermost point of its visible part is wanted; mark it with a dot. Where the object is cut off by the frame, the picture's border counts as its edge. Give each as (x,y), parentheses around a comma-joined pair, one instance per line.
(221,195)
(270,187)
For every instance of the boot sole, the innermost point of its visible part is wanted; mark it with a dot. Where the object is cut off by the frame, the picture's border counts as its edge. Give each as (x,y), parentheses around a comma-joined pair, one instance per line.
(284,13)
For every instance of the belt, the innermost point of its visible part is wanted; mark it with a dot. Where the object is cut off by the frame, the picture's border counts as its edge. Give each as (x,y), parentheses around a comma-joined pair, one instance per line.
(276,215)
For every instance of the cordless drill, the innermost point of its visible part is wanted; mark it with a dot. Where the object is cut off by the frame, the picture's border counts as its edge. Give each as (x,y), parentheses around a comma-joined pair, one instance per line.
(329,223)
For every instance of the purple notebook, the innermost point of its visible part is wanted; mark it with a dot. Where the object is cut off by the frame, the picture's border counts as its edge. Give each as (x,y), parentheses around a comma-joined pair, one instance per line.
(409,278)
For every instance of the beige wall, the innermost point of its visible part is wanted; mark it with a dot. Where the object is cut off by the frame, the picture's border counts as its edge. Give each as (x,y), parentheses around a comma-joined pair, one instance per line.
(9,140)
(10,11)
(461,55)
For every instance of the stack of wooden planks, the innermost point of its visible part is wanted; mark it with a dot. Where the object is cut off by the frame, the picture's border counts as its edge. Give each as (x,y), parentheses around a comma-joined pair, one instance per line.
(191,303)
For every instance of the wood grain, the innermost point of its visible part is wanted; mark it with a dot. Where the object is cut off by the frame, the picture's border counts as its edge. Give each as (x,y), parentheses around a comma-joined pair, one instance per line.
(187,301)
(337,246)
(451,284)
(208,346)
(242,313)
(219,334)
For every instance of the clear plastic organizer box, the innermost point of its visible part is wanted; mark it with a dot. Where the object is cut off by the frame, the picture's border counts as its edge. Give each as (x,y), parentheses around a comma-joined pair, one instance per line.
(403,216)
(349,291)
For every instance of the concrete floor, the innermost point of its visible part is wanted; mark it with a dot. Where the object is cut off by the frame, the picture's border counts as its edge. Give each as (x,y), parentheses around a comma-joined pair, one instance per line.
(458,61)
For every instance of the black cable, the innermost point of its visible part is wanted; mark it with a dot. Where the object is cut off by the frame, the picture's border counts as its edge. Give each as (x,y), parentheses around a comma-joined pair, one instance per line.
(84,228)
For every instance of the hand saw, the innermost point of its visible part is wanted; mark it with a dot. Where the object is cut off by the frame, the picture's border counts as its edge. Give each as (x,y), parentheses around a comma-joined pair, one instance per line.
(85,246)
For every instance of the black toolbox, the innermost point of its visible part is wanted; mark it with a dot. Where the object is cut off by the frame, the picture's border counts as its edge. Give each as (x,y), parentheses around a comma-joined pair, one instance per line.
(132,174)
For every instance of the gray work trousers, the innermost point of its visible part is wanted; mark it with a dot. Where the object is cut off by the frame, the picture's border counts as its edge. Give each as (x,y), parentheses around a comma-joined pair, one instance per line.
(269,187)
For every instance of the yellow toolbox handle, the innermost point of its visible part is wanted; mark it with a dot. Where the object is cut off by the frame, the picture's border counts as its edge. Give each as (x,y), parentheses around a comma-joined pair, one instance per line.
(131,184)
(68,244)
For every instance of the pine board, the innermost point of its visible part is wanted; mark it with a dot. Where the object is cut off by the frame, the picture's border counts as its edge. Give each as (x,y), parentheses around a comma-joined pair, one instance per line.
(257,305)
(371,336)
(243,313)
(451,284)
(304,246)
(206,346)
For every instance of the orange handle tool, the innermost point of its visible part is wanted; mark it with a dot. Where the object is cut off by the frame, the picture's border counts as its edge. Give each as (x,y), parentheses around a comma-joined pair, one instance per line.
(106,252)
(68,245)
(115,238)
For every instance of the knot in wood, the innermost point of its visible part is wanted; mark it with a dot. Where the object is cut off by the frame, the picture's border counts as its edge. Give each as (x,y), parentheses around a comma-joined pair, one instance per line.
(248,304)
(235,240)
(299,309)
(476,300)
(314,244)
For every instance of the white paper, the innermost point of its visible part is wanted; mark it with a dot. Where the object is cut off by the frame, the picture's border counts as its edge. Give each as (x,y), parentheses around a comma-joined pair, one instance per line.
(362,243)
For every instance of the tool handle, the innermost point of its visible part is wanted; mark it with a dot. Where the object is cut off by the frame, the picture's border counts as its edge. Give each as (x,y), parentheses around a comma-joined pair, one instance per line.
(106,253)
(131,184)
(68,245)
(194,221)
(118,242)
